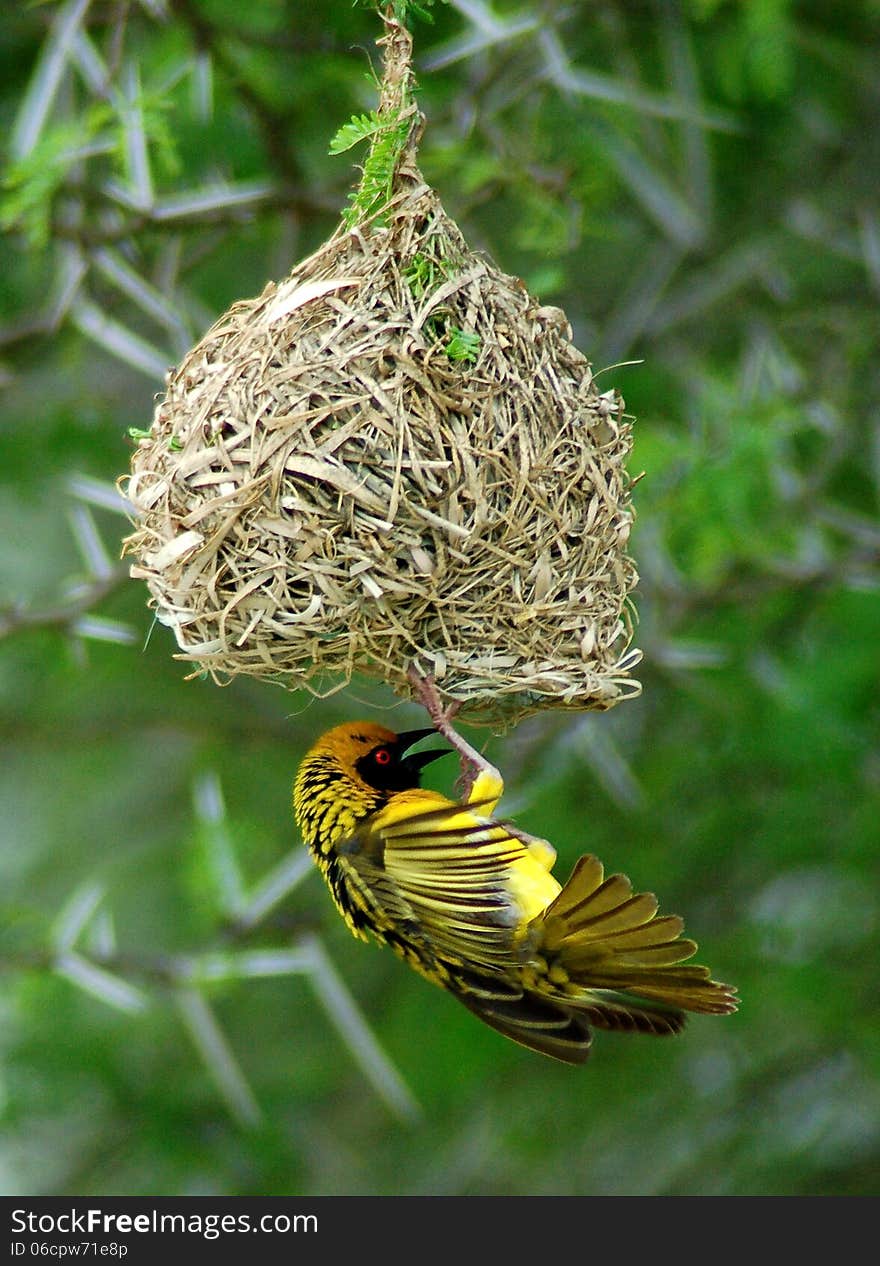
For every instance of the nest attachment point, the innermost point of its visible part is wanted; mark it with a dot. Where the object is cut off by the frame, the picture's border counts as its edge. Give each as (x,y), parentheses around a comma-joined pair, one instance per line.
(395,457)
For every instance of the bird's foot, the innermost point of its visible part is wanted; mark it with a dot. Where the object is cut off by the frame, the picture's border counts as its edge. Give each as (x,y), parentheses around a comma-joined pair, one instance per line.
(474,767)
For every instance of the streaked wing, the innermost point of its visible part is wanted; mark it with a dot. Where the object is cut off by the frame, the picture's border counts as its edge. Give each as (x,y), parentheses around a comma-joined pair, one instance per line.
(439,877)
(536,1023)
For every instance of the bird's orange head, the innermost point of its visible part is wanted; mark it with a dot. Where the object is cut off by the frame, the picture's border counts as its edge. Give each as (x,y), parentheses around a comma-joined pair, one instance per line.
(351,772)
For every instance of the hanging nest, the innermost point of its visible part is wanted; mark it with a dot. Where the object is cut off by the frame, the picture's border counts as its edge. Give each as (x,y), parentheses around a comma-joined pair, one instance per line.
(394,457)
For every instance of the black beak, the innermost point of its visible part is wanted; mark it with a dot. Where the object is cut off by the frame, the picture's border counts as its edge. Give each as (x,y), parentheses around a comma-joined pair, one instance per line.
(418,760)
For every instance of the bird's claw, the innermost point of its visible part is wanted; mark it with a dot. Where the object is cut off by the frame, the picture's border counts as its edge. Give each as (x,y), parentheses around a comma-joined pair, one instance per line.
(471,762)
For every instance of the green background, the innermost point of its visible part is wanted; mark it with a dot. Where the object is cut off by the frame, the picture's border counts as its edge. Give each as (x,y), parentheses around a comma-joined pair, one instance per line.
(695,183)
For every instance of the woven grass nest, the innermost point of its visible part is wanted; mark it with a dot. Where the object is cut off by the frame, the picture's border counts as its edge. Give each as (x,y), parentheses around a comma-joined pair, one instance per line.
(393,458)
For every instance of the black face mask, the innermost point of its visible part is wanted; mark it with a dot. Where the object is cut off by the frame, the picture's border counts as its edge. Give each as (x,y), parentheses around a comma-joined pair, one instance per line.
(387,768)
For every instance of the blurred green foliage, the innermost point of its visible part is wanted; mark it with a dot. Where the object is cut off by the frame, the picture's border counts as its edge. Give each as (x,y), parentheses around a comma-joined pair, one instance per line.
(695,182)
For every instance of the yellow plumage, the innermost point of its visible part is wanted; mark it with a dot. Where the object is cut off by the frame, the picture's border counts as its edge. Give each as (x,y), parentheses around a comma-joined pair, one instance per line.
(471,903)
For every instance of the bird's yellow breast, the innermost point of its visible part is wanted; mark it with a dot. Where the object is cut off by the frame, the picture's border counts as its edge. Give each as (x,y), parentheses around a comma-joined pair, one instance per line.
(531,884)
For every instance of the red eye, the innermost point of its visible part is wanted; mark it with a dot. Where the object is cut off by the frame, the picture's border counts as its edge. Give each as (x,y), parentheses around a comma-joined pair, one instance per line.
(382,756)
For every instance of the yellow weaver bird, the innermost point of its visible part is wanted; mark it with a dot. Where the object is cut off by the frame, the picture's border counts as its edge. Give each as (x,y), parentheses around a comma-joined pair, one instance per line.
(470,903)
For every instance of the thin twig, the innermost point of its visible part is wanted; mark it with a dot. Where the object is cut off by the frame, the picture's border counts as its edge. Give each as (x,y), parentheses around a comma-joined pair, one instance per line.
(20,619)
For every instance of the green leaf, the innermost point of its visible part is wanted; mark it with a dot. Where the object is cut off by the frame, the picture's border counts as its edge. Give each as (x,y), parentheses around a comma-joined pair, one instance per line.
(358,129)
(32,183)
(462,345)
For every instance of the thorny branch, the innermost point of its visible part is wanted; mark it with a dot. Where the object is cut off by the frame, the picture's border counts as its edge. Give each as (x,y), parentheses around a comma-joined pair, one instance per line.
(63,614)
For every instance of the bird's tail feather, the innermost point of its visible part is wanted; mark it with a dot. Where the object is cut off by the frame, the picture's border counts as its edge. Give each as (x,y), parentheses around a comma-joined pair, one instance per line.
(600,956)
(597,936)
(557,1028)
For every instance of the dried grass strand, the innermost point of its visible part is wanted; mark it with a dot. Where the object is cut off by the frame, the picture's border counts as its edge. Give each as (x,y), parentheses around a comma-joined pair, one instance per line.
(326,491)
